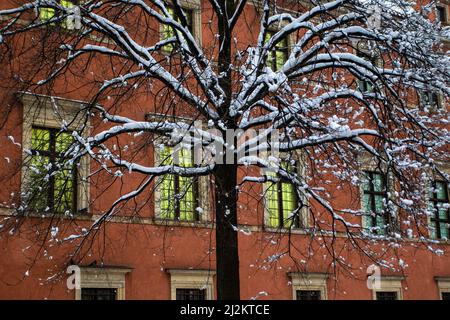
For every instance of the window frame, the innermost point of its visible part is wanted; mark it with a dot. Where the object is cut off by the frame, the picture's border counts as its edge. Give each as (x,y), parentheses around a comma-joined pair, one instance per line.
(192,279)
(387,219)
(195,194)
(194,6)
(434,106)
(377,293)
(49,112)
(367,162)
(361,50)
(443,285)
(444,9)
(303,215)
(53,157)
(61,23)
(389,284)
(310,291)
(272,54)
(278,186)
(109,277)
(202,182)
(436,220)
(309,282)
(201,291)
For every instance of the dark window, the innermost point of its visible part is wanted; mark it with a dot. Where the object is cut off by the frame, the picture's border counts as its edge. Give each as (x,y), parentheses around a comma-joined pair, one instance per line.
(429,99)
(374,195)
(53,182)
(365,84)
(387,295)
(308,295)
(98,294)
(440,222)
(445,296)
(191,294)
(441,14)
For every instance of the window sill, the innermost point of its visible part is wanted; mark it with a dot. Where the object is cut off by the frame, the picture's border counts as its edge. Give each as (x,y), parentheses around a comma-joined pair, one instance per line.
(181,223)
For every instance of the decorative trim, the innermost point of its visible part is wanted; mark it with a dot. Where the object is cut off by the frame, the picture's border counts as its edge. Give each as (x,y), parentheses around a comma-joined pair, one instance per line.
(54,112)
(192,279)
(443,284)
(390,284)
(103,277)
(309,281)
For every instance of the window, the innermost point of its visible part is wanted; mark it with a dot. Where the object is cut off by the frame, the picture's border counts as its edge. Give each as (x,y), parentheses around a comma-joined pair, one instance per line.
(308,295)
(102,283)
(191,284)
(278,56)
(374,196)
(48,180)
(386,295)
(440,222)
(441,14)
(429,99)
(169,32)
(443,284)
(52,184)
(309,286)
(98,294)
(190,294)
(178,195)
(364,85)
(281,201)
(47,13)
(389,288)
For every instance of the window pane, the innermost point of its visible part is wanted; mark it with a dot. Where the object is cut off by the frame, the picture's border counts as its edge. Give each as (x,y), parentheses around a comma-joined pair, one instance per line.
(40,139)
(288,201)
(186,194)
(177,193)
(378,203)
(98,294)
(39,183)
(377,182)
(46,14)
(191,294)
(272,205)
(63,142)
(64,191)
(441,190)
(308,295)
(167,192)
(444,229)
(387,295)
(446,296)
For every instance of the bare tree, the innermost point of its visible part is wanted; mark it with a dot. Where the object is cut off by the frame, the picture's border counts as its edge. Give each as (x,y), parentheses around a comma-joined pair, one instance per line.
(350,85)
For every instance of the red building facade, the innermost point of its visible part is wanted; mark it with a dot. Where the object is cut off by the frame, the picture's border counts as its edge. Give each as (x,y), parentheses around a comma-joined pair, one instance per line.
(139,255)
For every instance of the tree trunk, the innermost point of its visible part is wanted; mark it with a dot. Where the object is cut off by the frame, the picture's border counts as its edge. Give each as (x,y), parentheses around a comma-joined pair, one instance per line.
(227,255)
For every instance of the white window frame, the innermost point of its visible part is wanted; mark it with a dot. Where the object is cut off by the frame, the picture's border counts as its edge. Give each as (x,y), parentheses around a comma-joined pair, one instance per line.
(191,279)
(367,163)
(103,278)
(50,112)
(435,177)
(196,7)
(203,182)
(443,285)
(390,284)
(304,218)
(309,281)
